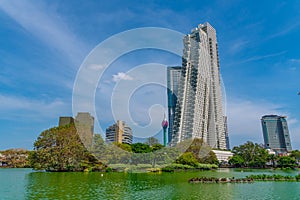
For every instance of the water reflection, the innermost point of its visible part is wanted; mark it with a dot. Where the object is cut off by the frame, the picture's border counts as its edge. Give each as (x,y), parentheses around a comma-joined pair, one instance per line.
(43,185)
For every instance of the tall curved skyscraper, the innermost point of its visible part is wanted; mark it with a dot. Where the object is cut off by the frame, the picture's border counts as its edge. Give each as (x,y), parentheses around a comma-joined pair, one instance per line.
(199,112)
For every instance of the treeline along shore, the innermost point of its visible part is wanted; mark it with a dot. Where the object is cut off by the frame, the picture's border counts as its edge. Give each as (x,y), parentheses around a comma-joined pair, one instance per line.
(60,149)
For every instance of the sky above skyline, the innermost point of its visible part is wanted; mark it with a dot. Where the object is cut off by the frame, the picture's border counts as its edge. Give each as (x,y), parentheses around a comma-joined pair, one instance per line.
(44,43)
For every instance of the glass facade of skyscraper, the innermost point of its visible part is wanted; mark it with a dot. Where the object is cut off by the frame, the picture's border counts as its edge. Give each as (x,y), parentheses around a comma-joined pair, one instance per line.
(173,78)
(276,133)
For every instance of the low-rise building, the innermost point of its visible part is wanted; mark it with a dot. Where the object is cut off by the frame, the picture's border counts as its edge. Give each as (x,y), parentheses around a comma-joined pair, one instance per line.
(223,156)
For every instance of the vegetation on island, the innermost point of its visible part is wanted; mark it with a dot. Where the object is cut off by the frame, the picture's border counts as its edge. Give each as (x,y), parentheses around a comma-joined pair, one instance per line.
(248,179)
(273,177)
(220,180)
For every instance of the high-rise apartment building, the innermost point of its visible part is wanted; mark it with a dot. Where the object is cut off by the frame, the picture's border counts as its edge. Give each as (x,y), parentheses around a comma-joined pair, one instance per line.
(84,123)
(199,112)
(119,132)
(276,133)
(173,79)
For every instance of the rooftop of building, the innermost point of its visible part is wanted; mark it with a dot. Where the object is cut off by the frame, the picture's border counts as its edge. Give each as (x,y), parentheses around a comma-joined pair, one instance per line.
(273,116)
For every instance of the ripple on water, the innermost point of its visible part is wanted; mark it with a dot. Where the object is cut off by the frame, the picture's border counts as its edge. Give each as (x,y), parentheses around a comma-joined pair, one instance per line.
(43,185)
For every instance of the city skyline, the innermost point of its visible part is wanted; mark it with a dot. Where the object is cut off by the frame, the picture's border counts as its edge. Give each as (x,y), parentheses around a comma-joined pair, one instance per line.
(44,43)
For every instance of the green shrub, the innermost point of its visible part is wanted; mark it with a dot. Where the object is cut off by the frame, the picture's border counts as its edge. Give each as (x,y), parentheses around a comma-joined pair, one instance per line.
(108,169)
(206,166)
(297,177)
(176,166)
(187,159)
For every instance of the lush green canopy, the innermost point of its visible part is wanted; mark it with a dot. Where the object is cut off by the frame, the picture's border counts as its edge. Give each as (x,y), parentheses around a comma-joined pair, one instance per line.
(60,149)
(249,155)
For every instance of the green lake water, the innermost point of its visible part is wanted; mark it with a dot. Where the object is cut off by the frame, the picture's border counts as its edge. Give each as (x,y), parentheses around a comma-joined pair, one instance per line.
(20,184)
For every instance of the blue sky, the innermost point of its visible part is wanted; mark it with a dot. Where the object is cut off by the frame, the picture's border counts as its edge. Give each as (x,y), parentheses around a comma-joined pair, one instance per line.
(43,44)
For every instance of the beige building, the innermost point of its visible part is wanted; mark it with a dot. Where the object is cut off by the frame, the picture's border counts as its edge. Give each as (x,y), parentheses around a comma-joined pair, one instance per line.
(119,132)
(84,124)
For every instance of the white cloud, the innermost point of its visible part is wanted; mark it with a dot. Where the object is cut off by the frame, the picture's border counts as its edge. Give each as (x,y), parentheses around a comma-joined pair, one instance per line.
(13,107)
(121,76)
(237,45)
(244,119)
(292,25)
(96,67)
(256,58)
(294,60)
(47,25)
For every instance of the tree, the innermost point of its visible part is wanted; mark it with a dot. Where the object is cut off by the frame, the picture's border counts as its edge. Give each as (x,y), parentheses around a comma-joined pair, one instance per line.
(152,141)
(125,147)
(272,158)
(98,144)
(236,161)
(286,162)
(202,152)
(187,158)
(15,158)
(60,149)
(156,147)
(252,154)
(140,148)
(295,154)
(211,158)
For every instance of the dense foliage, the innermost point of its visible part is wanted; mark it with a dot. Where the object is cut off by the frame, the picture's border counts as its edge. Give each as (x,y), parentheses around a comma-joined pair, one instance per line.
(60,149)
(14,158)
(286,162)
(272,177)
(249,155)
(253,155)
(138,153)
(202,152)
(142,153)
(140,148)
(295,154)
(187,158)
(177,167)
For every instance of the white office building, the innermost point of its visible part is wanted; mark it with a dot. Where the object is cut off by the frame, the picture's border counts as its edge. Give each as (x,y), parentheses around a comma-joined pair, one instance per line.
(199,112)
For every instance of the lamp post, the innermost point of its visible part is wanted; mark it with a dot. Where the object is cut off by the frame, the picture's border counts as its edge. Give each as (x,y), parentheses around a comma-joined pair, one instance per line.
(164,125)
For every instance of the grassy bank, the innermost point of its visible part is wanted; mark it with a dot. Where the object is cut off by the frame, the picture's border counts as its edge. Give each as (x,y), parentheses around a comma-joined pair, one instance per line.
(158,168)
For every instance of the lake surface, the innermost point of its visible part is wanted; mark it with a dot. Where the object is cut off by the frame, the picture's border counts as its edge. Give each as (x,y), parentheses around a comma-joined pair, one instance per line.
(28,184)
